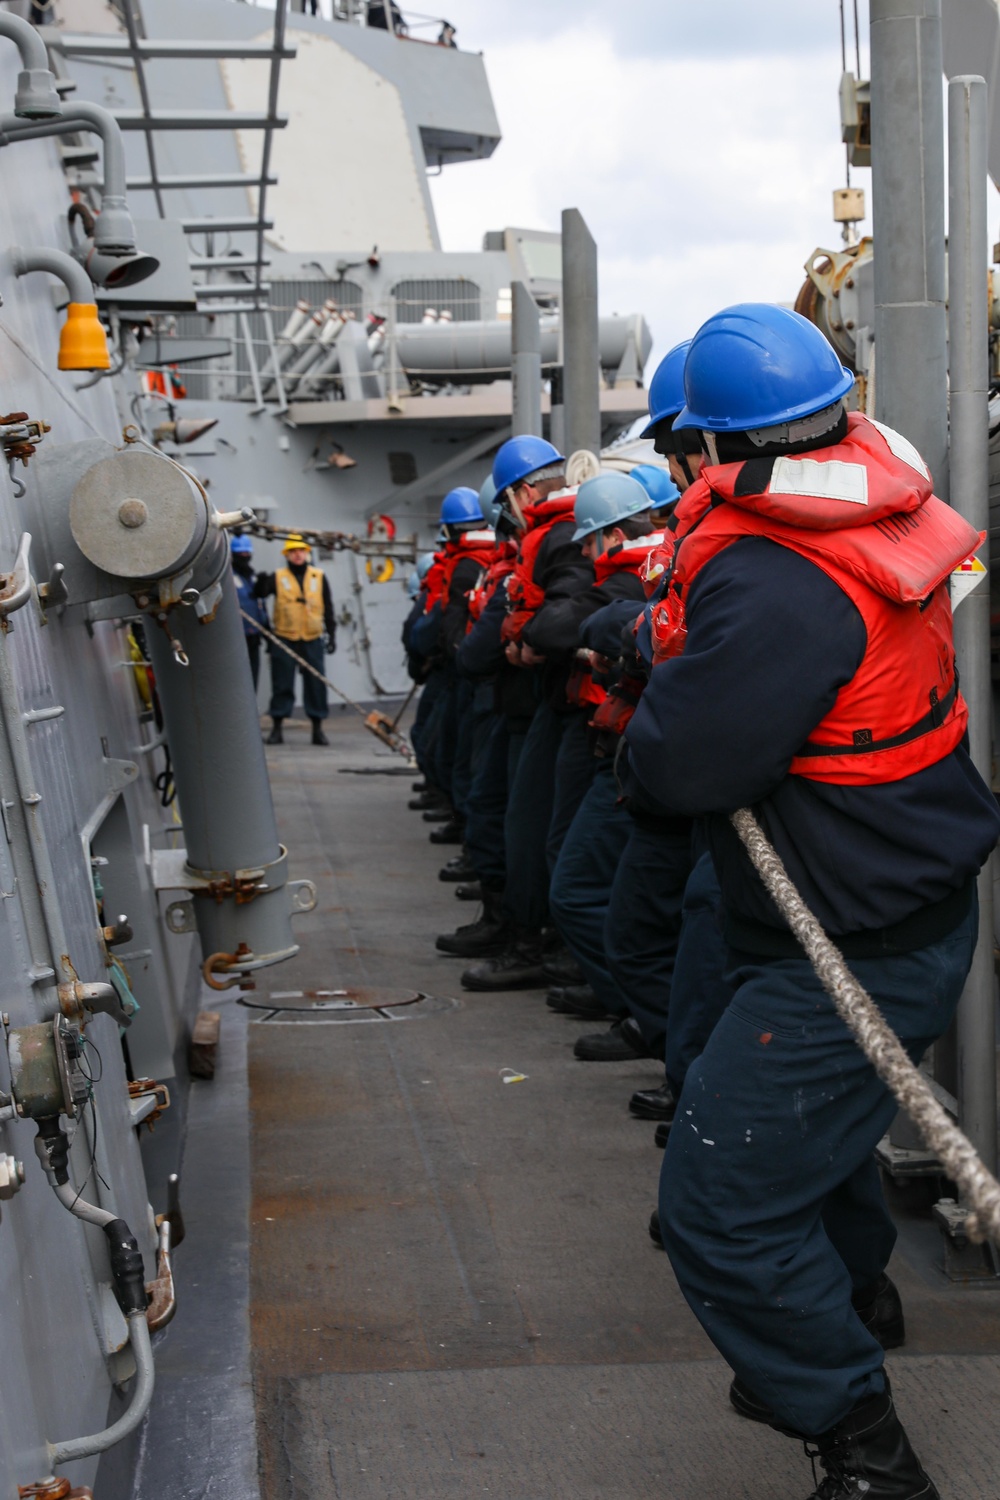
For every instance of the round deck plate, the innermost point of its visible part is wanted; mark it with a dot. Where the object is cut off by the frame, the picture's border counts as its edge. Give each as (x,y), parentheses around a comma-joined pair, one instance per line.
(362,1004)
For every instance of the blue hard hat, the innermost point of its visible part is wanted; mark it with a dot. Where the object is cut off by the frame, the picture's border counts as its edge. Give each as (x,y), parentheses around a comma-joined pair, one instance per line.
(520,456)
(666,389)
(460,507)
(755,365)
(657,483)
(241,544)
(605,500)
(488,500)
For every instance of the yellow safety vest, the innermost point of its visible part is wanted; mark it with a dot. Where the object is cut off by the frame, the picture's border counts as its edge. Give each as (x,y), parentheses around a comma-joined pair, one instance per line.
(298,613)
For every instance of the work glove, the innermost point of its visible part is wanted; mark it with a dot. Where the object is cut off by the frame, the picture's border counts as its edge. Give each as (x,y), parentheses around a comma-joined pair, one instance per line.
(329,644)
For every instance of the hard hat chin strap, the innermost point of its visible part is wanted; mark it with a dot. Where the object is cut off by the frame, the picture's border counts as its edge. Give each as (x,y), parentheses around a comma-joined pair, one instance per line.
(514,510)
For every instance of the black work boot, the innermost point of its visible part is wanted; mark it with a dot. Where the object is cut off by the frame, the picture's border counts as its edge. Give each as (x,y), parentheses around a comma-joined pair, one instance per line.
(562,968)
(483,938)
(868,1456)
(653,1104)
(452,832)
(440,811)
(662,1134)
(426,799)
(577,1000)
(473,892)
(318,737)
(458,869)
(518,967)
(880,1310)
(624,1042)
(276,737)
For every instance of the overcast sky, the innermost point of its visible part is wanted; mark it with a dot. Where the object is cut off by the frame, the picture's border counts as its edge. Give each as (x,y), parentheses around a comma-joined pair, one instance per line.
(699,138)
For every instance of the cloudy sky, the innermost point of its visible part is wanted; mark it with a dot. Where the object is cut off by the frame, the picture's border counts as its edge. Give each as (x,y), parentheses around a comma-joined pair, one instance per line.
(699,138)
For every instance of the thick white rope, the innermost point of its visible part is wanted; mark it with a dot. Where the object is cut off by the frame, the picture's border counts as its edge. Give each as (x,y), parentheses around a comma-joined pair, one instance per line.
(979,1188)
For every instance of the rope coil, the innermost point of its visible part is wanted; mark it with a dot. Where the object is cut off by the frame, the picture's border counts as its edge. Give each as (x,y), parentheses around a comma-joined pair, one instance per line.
(979,1188)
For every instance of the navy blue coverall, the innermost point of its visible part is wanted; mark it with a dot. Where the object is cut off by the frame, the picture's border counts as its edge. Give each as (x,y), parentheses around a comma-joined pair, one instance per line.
(554,767)
(770,1204)
(591,849)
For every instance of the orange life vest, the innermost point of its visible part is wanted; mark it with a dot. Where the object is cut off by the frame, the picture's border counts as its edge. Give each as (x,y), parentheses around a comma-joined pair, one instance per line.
(481,546)
(863,511)
(524,597)
(628,557)
(501,568)
(434,581)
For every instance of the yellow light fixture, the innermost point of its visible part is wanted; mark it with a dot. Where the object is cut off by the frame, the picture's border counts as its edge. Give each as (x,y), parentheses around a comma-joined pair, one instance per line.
(83,344)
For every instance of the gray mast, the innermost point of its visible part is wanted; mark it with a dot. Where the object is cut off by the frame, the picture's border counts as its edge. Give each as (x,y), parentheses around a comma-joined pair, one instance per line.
(968,330)
(526,362)
(582,363)
(911,377)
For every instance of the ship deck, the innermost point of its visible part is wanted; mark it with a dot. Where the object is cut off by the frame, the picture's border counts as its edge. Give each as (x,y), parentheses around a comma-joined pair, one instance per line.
(450,1289)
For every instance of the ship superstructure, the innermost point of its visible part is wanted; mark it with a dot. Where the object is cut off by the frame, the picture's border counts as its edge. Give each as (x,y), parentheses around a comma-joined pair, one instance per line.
(354,369)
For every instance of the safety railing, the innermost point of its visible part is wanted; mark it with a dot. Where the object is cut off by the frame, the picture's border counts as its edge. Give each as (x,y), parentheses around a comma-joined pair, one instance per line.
(380,15)
(318,341)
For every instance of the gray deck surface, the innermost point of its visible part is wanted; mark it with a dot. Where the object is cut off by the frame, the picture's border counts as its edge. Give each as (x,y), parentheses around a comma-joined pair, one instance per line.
(453,1292)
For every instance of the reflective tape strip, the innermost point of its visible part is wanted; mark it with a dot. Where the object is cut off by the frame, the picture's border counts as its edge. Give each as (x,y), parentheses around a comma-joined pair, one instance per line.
(833,480)
(902,448)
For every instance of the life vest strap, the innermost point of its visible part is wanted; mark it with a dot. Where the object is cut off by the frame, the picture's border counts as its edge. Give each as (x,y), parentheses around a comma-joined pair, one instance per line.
(865,745)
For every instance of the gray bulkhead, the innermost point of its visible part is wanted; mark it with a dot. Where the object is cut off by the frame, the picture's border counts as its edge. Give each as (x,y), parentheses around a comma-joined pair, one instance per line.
(58,1320)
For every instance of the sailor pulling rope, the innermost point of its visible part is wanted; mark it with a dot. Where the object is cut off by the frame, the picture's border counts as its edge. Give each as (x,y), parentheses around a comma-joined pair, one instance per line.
(380,725)
(980,1189)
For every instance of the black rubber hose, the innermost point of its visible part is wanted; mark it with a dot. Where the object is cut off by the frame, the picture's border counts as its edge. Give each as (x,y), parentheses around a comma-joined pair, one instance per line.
(126,1268)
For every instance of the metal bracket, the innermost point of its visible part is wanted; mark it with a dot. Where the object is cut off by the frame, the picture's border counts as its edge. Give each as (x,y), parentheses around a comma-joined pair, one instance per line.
(964,1260)
(54,594)
(301,895)
(179,917)
(119,774)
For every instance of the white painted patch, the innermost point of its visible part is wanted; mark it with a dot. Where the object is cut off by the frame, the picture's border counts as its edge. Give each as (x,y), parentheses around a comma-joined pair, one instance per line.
(902,448)
(832,480)
(706,1142)
(346,168)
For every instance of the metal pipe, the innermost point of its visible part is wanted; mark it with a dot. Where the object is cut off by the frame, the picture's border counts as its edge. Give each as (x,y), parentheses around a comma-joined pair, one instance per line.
(526,362)
(57,263)
(142,1395)
(36,96)
(115,232)
(30,798)
(582,364)
(968,344)
(911,392)
(213,727)
(26,39)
